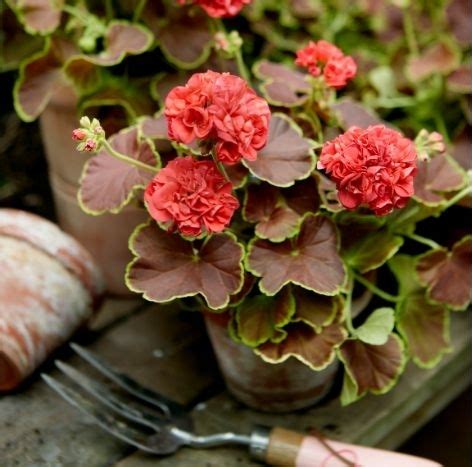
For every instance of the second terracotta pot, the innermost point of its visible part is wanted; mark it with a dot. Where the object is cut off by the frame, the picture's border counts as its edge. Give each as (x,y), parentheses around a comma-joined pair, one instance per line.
(281,387)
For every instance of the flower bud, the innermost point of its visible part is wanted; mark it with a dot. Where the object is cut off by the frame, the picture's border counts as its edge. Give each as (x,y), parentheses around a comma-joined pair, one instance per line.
(78,134)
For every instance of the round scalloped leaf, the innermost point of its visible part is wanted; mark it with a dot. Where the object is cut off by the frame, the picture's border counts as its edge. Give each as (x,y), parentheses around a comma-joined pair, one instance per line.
(121,39)
(425,328)
(403,268)
(316,310)
(168,267)
(237,175)
(460,80)
(38,16)
(435,177)
(259,317)
(287,157)
(155,128)
(458,18)
(372,250)
(107,183)
(353,113)
(442,58)
(281,85)
(185,38)
(328,194)
(310,259)
(447,275)
(373,368)
(377,327)
(40,75)
(316,350)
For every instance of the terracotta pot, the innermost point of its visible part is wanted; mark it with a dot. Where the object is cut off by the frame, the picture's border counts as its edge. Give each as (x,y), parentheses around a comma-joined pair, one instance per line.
(282,387)
(106,237)
(49,285)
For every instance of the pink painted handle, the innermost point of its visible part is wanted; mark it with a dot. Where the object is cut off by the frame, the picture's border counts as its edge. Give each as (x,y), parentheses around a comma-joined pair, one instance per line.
(314,453)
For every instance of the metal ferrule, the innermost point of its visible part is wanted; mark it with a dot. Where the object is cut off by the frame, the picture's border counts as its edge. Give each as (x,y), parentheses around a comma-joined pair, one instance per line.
(259,442)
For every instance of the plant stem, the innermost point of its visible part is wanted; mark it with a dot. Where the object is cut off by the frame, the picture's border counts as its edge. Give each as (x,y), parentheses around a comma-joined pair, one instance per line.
(462,194)
(423,240)
(409,28)
(128,160)
(76,13)
(109,11)
(348,305)
(242,66)
(374,289)
(219,164)
(139,10)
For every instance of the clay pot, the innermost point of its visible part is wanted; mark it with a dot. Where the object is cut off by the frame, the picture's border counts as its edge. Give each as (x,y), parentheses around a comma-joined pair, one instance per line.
(281,387)
(49,285)
(106,237)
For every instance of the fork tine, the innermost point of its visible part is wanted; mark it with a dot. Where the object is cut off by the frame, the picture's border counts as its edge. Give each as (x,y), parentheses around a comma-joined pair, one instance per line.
(169,407)
(100,392)
(102,418)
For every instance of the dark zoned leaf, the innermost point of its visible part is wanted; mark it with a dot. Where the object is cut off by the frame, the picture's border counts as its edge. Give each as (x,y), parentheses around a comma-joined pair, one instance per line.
(439,58)
(259,317)
(447,274)
(38,16)
(353,113)
(121,39)
(107,183)
(460,80)
(425,328)
(287,157)
(458,17)
(39,77)
(317,350)
(436,176)
(281,85)
(167,267)
(310,260)
(373,368)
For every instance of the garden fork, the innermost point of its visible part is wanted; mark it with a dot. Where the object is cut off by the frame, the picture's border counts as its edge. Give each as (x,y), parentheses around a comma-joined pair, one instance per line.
(172,426)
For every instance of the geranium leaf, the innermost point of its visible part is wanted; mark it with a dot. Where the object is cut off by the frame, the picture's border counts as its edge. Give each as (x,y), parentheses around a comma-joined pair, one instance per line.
(281,85)
(316,350)
(121,39)
(168,267)
(303,196)
(38,16)
(258,317)
(287,157)
(155,128)
(163,83)
(461,148)
(370,251)
(436,176)
(353,113)
(185,38)
(348,391)
(439,58)
(39,77)
(457,14)
(237,174)
(373,368)
(425,328)
(107,183)
(460,80)
(248,284)
(310,259)
(328,194)
(446,274)
(377,327)
(316,310)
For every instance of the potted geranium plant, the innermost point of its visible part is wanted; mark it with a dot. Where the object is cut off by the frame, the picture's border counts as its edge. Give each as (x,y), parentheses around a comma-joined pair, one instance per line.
(269,229)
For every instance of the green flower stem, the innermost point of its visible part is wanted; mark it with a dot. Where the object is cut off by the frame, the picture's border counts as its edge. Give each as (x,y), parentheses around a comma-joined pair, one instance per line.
(375,290)
(139,10)
(423,240)
(348,305)
(456,198)
(128,160)
(220,165)
(109,11)
(76,13)
(242,66)
(409,29)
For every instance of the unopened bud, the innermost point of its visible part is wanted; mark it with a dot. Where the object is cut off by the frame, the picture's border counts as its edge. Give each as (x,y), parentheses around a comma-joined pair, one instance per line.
(90,145)
(78,134)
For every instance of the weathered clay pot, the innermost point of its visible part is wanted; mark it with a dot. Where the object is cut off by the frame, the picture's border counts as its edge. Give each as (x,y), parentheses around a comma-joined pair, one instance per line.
(282,387)
(106,237)
(49,285)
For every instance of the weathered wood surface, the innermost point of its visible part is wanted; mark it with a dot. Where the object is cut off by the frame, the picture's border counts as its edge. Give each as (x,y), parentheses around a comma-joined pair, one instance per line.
(168,351)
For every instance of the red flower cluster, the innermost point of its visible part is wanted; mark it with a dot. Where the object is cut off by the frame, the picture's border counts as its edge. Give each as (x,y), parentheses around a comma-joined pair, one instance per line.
(220,8)
(192,195)
(324,58)
(373,166)
(222,108)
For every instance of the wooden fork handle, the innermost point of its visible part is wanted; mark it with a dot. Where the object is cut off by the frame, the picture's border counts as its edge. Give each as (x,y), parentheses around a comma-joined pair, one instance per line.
(286,448)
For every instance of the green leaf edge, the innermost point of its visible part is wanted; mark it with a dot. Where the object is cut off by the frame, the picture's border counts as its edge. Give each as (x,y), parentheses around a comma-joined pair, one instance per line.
(29,29)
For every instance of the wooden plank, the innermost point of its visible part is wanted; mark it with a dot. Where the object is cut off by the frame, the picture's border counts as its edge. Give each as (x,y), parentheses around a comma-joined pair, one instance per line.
(384,421)
(162,348)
